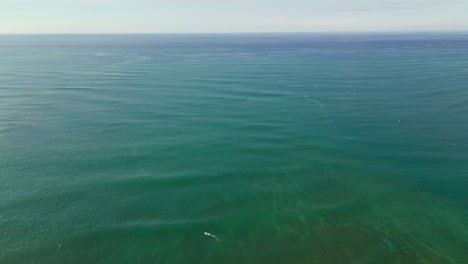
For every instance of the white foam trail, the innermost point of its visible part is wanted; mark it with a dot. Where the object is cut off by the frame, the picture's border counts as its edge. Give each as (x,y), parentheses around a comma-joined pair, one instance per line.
(313,100)
(211,235)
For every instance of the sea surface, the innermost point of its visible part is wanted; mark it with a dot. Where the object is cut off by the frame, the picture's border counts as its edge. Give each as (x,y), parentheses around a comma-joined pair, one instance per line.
(283,148)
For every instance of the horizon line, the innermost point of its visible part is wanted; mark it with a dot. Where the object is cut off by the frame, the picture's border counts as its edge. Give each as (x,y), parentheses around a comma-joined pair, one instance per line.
(240,32)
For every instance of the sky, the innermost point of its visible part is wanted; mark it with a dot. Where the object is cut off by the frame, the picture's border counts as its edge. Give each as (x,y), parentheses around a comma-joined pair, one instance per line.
(200,16)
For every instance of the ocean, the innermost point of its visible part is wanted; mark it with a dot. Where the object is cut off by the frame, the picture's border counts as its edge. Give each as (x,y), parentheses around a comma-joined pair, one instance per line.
(234,148)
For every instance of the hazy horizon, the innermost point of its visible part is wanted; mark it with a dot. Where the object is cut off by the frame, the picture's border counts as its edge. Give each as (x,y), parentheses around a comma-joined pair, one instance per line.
(210,16)
(383,32)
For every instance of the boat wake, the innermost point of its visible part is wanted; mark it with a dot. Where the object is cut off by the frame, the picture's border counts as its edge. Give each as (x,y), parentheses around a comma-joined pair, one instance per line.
(211,235)
(313,100)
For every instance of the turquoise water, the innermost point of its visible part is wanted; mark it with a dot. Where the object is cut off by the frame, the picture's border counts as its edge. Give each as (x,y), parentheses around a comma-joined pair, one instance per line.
(285,147)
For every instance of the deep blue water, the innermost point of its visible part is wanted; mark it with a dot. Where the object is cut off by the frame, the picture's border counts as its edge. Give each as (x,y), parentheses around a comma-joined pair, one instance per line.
(284,147)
